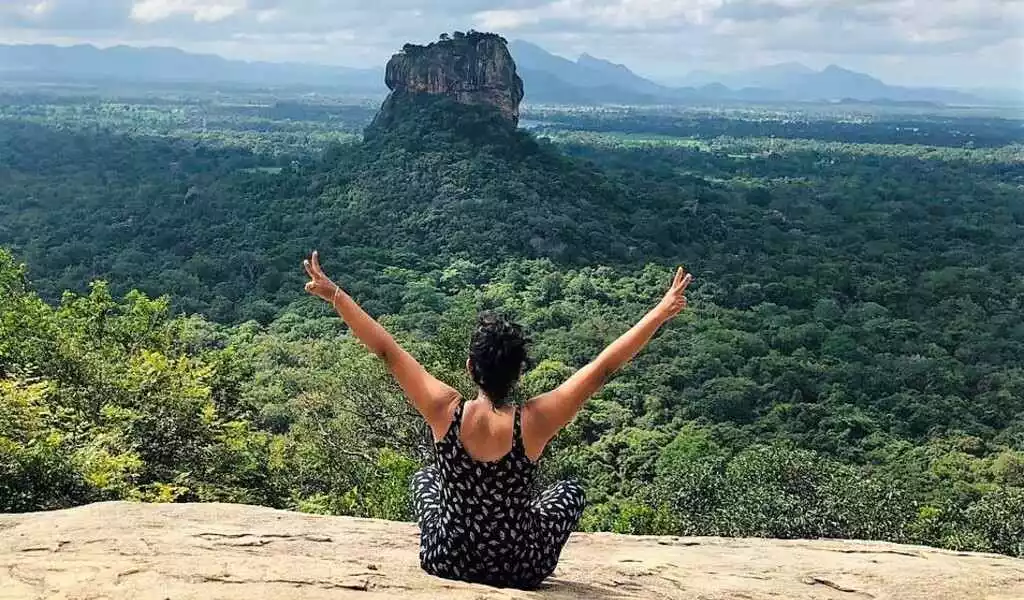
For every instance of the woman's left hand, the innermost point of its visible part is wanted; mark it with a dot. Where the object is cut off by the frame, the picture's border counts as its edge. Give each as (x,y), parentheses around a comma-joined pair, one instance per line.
(320,285)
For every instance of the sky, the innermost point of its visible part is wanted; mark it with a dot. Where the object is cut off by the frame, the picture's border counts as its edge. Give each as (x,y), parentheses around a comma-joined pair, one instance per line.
(965,43)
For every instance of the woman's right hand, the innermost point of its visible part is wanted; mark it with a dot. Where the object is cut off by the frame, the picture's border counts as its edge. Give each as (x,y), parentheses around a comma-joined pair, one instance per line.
(320,285)
(675,298)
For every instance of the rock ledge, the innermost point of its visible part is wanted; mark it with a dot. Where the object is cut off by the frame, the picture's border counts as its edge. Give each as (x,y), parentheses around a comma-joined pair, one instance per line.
(207,551)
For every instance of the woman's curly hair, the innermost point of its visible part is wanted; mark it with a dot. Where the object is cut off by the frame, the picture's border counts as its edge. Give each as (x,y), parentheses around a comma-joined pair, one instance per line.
(497,356)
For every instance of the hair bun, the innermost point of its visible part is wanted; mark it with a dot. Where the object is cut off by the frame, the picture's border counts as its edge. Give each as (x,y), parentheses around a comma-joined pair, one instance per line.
(497,355)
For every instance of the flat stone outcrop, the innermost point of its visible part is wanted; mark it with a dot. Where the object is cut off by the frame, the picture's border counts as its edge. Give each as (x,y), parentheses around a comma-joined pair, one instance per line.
(226,552)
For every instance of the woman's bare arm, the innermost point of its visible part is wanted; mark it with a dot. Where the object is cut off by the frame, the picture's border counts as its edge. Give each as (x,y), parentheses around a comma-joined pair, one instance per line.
(550,412)
(431,397)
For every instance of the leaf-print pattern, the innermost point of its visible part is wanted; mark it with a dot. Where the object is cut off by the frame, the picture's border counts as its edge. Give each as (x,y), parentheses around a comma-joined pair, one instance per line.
(481,523)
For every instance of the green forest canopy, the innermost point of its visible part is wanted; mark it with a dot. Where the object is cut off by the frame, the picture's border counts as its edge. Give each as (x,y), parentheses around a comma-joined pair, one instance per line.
(851,365)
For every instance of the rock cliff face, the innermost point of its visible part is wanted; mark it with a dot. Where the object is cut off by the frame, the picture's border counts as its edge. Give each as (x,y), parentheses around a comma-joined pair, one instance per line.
(474,69)
(201,551)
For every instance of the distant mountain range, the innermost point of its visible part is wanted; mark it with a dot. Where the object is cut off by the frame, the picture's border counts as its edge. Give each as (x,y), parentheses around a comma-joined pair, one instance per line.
(599,81)
(168,65)
(770,77)
(549,78)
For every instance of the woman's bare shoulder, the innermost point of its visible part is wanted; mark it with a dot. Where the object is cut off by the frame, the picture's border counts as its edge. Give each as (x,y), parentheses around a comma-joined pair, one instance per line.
(440,429)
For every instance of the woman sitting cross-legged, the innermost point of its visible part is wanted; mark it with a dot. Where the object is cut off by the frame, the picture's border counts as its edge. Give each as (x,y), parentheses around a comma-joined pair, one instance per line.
(479,518)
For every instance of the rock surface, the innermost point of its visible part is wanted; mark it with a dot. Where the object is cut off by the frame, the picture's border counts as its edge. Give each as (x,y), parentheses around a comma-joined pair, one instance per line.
(474,68)
(219,551)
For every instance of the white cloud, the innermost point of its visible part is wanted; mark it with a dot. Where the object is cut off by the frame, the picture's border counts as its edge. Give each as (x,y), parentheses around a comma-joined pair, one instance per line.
(268,16)
(603,14)
(39,9)
(151,11)
(501,20)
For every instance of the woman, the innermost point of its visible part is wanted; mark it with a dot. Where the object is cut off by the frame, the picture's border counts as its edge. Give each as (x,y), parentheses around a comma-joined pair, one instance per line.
(479,519)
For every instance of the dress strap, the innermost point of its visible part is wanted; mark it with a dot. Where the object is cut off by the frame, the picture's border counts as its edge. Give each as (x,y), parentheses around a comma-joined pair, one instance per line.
(517,430)
(456,425)
(457,421)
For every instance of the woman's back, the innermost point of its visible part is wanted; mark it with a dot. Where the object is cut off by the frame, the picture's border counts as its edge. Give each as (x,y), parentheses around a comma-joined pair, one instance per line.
(487,433)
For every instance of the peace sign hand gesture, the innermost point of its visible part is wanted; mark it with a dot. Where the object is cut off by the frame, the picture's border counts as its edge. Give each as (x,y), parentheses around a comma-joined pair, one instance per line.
(320,285)
(675,299)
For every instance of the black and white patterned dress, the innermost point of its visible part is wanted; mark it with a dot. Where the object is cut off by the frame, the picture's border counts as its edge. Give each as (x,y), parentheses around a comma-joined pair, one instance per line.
(480,521)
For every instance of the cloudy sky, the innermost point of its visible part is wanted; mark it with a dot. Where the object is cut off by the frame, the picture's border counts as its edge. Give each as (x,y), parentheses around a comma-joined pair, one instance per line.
(940,42)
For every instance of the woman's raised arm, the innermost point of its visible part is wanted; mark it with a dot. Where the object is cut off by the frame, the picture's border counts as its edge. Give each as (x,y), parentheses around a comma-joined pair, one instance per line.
(431,397)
